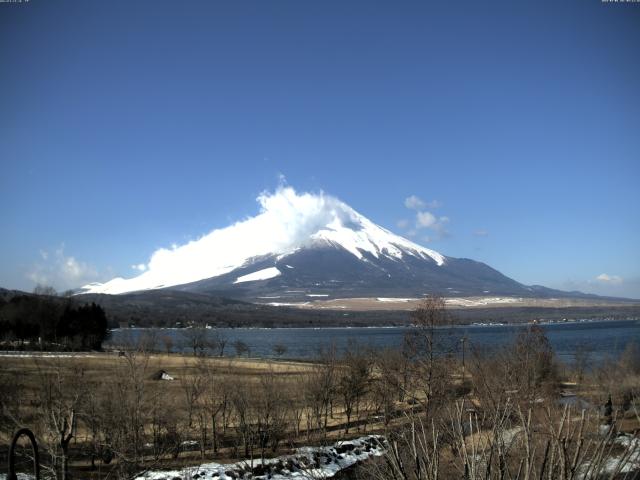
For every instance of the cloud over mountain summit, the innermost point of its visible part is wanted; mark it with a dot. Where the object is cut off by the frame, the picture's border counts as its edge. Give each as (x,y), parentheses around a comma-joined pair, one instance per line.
(287,221)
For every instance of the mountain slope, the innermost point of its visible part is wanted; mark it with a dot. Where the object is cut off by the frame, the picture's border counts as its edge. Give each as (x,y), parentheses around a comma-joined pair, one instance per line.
(330,271)
(302,246)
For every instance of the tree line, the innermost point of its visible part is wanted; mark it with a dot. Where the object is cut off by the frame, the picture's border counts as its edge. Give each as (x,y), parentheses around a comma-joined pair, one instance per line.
(47,321)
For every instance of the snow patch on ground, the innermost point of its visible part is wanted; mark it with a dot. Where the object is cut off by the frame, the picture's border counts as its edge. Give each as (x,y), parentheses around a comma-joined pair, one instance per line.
(13,354)
(625,463)
(284,304)
(382,299)
(306,463)
(480,301)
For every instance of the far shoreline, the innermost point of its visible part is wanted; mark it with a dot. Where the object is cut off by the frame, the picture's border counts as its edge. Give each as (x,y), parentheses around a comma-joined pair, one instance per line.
(351,327)
(462,317)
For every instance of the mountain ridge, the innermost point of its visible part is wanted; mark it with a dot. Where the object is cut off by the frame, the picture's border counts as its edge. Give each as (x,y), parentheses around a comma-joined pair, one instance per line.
(304,246)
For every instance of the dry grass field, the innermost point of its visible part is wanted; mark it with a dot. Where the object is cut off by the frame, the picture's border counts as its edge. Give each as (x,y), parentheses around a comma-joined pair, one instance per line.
(105,368)
(112,415)
(409,304)
(260,407)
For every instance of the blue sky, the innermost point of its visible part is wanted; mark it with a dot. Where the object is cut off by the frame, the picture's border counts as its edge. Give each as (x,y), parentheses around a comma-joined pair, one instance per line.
(130,126)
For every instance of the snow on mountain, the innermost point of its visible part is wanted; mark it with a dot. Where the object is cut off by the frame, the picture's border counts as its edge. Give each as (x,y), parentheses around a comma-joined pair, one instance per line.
(264,274)
(287,223)
(365,236)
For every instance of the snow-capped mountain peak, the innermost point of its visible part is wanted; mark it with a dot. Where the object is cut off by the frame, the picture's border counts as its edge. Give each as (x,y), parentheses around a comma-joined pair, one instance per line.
(361,235)
(287,223)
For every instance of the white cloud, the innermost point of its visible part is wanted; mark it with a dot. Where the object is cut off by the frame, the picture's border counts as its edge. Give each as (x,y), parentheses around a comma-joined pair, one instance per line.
(425,220)
(413,202)
(61,271)
(609,279)
(404,223)
(481,233)
(437,224)
(141,267)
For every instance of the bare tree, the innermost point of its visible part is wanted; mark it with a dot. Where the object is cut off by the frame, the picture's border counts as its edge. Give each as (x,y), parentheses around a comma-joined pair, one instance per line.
(427,349)
(270,412)
(45,290)
(506,442)
(241,348)
(164,423)
(319,391)
(193,386)
(532,363)
(218,342)
(241,401)
(89,414)
(582,360)
(11,404)
(148,340)
(167,341)
(196,338)
(279,349)
(217,393)
(353,382)
(630,358)
(126,411)
(390,385)
(60,395)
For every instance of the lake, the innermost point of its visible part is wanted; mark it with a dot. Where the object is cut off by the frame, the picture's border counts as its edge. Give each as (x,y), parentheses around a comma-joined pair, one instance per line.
(603,338)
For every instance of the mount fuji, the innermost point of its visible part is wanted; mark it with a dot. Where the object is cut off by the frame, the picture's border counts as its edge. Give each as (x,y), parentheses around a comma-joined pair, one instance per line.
(304,245)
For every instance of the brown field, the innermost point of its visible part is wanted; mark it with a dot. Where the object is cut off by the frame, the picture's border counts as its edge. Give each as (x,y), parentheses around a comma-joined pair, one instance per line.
(111,417)
(181,402)
(104,368)
(409,304)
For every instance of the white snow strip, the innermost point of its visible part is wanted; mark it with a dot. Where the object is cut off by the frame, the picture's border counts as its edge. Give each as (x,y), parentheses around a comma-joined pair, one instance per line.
(263,274)
(383,299)
(278,304)
(306,463)
(14,354)
(625,463)
(317,294)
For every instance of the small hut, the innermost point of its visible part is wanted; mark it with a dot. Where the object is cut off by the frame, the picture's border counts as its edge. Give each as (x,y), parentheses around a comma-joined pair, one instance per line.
(161,375)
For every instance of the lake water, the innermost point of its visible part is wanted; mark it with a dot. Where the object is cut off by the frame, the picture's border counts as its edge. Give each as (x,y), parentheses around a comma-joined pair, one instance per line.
(604,339)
